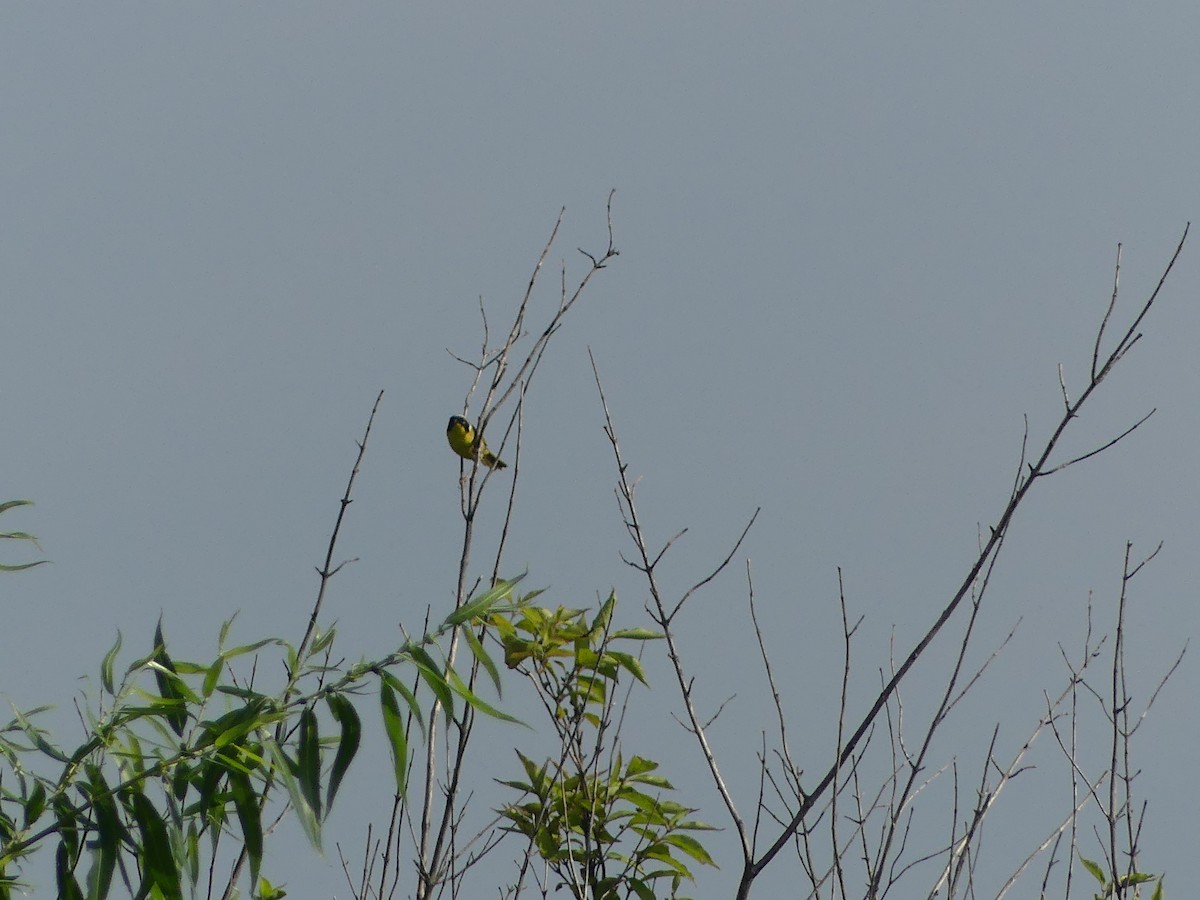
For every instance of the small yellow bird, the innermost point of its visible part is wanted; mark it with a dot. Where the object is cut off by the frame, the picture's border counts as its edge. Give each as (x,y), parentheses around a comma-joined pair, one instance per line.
(469,445)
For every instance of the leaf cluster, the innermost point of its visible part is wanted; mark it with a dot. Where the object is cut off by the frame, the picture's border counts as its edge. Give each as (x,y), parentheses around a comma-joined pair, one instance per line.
(602,823)
(182,759)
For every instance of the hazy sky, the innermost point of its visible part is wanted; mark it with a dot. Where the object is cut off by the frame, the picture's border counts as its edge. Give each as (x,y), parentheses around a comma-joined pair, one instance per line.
(855,246)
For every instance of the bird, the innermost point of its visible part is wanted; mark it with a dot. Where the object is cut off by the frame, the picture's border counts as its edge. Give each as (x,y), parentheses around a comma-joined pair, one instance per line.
(469,445)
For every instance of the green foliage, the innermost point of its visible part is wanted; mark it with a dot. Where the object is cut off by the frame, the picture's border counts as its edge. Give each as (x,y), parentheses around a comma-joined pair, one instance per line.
(17,536)
(1122,885)
(600,822)
(183,758)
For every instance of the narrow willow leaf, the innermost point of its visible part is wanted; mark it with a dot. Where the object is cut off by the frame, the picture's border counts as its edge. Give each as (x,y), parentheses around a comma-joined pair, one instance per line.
(245,803)
(224,633)
(393,724)
(106,667)
(68,831)
(305,813)
(193,852)
(68,887)
(22,566)
(244,693)
(164,676)
(293,660)
(109,833)
(35,734)
(322,640)
(211,677)
(156,857)
(309,760)
(235,725)
(482,604)
(478,702)
(484,659)
(431,675)
(35,803)
(409,697)
(211,773)
(243,649)
(636,634)
(345,715)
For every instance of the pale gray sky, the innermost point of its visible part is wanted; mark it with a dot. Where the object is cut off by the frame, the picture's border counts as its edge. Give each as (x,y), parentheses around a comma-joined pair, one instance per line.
(855,245)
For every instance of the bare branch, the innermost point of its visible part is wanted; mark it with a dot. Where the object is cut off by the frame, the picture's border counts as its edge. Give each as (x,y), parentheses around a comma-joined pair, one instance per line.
(1112,302)
(1021,489)
(1128,431)
(659,611)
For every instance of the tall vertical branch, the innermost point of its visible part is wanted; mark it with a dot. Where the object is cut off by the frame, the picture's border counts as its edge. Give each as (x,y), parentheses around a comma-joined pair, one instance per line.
(664,612)
(499,375)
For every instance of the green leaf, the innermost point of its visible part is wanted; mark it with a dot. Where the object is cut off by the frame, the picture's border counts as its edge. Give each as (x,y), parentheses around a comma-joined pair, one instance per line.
(244,693)
(21,566)
(630,664)
(639,765)
(636,634)
(1096,871)
(245,803)
(322,640)
(109,833)
(106,667)
(211,677)
(476,701)
(484,659)
(394,726)
(431,674)
(603,618)
(158,861)
(482,604)
(35,803)
(193,852)
(35,735)
(211,773)
(691,847)
(345,715)
(409,697)
(224,632)
(1136,878)
(243,649)
(68,831)
(68,887)
(309,760)
(168,682)
(304,812)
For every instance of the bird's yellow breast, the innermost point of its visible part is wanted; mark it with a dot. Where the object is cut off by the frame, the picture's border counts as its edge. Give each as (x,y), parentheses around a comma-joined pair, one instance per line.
(461,436)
